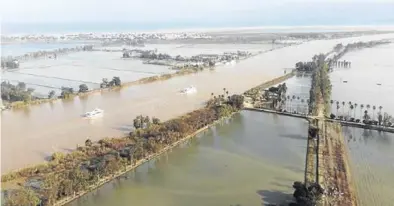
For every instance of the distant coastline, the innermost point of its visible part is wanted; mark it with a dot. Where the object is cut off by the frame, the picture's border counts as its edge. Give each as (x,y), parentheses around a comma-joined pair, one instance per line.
(11,29)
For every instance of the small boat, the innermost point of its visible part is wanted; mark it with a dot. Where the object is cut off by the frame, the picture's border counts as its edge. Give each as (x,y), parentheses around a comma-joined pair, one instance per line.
(189,90)
(95,113)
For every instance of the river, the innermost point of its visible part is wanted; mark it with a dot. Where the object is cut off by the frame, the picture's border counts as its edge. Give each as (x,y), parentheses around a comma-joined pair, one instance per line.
(58,126)
(251,159)
(371,152)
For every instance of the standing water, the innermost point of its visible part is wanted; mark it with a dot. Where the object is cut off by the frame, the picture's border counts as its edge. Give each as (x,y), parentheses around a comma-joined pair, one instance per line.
(251,159)
(369,82)
(57,126)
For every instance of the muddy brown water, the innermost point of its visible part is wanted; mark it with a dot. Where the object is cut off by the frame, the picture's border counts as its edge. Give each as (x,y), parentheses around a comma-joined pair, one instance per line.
(30,135)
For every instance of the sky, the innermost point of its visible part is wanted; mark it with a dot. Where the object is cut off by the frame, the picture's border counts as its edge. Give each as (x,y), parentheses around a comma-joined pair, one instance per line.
(202,11)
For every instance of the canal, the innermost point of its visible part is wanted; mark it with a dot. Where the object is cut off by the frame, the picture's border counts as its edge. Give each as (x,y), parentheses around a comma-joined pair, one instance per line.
(250,159)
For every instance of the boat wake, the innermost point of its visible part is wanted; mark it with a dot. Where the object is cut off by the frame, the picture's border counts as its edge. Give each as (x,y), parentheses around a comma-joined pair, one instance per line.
(93,114)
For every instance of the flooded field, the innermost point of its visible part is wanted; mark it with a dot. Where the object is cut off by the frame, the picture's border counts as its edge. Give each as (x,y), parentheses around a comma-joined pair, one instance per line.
(297,95)
(17,49)
(90,68)
(58,126)
(252,159)
(372,164)
(369,82)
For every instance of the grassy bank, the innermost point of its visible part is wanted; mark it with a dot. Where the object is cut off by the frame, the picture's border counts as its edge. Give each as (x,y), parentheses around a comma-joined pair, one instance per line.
(68,176)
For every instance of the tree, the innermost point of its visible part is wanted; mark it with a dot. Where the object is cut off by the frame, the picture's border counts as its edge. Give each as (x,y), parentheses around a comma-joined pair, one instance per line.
(83,88)
(373,115)
(355,108)
(67,92)
(351,108)
(380,118)
(343,108)
(104,83)
(30,90)
(51,94)
(138,122)
(366,116)
(116,81)
(387,119)
(361,109)
(155,120)
(88,143)
(22,196)
(21,86)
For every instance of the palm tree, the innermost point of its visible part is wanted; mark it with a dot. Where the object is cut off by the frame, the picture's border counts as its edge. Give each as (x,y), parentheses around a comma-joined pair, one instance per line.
(380,109)
(373,115)
(343,108)
(355,108)
(365,115)
(212,95)
(351,108)
(361,110)
(337,109)
(332,102)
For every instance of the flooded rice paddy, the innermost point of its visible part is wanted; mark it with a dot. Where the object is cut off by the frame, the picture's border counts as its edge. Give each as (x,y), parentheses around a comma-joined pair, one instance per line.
(372,165)
(18,49)
(369,81)
(251,159)
(58,126)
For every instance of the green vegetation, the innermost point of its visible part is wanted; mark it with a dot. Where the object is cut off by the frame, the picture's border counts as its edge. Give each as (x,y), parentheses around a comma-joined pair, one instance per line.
(9,63)
(83,88)
(14,93)
(115,82)
(307,196)
(67,92)
(68,175)
(320,91)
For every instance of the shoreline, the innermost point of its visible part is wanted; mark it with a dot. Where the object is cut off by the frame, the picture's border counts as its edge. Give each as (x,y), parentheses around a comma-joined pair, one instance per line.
(210,29)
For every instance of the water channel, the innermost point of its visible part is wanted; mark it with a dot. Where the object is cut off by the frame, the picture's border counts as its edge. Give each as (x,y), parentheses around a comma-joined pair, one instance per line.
(251,159)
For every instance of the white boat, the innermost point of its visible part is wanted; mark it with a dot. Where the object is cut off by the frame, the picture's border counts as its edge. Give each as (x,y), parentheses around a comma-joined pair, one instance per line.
(189,90)
(95,113)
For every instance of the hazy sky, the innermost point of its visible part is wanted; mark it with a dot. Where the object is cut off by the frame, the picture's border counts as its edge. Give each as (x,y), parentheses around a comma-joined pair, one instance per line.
(139,11)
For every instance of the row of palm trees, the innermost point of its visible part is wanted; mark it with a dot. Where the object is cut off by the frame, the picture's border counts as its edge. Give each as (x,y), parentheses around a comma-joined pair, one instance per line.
(288,101)
(352,107)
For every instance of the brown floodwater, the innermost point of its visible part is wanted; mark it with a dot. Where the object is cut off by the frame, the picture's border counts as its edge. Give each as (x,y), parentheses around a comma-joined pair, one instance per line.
(30,135)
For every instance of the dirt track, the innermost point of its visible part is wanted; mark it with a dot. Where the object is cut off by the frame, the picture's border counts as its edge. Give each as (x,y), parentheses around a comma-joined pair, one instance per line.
(336,177)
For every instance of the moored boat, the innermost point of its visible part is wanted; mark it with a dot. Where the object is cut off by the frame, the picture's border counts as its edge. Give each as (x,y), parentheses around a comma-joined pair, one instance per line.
(189,90)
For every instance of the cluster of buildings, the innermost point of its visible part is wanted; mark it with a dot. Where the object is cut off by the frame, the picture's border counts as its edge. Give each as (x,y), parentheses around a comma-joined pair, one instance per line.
(105,36)
(179,62)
